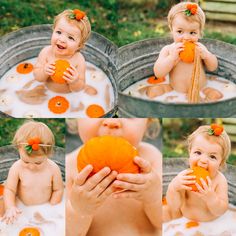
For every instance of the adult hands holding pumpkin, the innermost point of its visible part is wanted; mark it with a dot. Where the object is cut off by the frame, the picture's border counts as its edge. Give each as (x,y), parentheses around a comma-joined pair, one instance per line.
(142,186)
(88,194)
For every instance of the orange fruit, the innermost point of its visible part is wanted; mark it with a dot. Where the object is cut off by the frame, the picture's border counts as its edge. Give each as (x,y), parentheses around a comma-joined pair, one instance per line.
(187,55)
(95,111)
(58,105)
(29,231)
(24,68)
(155,80)
(199,172)
(114,152)
(61,67)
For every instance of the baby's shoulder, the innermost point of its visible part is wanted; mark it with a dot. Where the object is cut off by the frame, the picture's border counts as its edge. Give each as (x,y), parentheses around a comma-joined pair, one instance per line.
(52,165)
(16,165)
(79,58)
(220,178)
(150,152)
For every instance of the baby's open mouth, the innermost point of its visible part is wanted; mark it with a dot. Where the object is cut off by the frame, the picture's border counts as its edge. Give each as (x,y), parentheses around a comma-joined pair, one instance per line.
(60,47)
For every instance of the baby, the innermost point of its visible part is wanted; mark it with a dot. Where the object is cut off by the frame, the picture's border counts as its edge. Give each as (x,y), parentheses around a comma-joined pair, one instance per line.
(71,29)
(34,179)
(186,22)
(209,147)
(94,207)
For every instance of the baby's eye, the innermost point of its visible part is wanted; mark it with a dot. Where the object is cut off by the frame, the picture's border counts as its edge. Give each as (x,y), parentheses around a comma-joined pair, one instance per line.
(198,152)
(71,38)
(213,157)
(58,32)
(193,33)
(179,31)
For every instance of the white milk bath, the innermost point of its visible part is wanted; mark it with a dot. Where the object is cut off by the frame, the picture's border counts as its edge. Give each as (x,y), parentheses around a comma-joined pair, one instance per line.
(13,81)
(225,225)
(54,216)
(224,86)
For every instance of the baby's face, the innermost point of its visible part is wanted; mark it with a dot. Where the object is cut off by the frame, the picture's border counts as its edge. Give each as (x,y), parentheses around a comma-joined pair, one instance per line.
(32,162)
(130,129)
(183,30)
(206,154)
(65,38)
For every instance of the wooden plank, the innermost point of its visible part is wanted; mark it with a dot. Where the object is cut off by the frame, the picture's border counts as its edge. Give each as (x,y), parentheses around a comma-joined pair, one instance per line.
(233,139)
(221,16)
(218,7)
(230,129)
(229,120)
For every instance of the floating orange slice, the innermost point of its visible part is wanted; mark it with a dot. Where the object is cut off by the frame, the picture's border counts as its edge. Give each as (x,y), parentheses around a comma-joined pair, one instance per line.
(24,68)
(95,111)
(155,80)
(61,67)
(191,224)
(58,105)
(29,231)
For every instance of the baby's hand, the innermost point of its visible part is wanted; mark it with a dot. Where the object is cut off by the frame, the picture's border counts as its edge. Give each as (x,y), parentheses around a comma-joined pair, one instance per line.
(49,69)
(205,192)
(182,180)
(71,75)
(144,186)
(175,49)
(204,53)
(88,194)
(11,215)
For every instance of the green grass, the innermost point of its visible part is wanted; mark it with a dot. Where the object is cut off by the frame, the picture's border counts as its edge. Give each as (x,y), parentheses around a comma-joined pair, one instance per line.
(10,125)
(17,14)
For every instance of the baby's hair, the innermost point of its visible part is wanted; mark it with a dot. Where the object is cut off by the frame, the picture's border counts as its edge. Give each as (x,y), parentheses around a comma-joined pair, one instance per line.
(32,129)
(153,128)
(83,25)
(180,9)
(223,140)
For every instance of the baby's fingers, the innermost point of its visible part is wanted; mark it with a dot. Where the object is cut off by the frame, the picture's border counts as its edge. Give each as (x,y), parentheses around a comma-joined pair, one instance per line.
(144,165)
(83,175)
(93,181)
(102,186)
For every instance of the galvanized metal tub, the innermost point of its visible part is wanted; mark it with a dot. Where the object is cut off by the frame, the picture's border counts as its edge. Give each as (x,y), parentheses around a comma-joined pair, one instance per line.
(27,42)
(172,166)
(9,155)
(136,61)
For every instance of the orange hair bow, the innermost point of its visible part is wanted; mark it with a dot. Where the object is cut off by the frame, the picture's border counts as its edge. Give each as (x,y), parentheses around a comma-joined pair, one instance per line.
(216,130)
(77,14)
(191,9)
(32,145)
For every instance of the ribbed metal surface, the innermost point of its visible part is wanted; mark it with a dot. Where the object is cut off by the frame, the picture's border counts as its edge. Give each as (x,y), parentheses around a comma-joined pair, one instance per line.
(29,41)
(136,61)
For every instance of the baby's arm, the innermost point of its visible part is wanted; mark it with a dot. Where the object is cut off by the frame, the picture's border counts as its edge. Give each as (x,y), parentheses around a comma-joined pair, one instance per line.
(84,195)
(146,186)
(9,196)
(216,200)
(168,57)
(75,76)
(42,69)
(210,60)
(175,192)
(57,185)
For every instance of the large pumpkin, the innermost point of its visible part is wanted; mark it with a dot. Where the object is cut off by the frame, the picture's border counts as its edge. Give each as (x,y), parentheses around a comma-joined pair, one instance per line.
(187,55)
(61,67)
(113,152)
(29,231)
(199,172)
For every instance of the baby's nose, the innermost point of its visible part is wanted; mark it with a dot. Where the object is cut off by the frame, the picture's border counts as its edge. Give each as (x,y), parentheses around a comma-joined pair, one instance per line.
(112,123)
